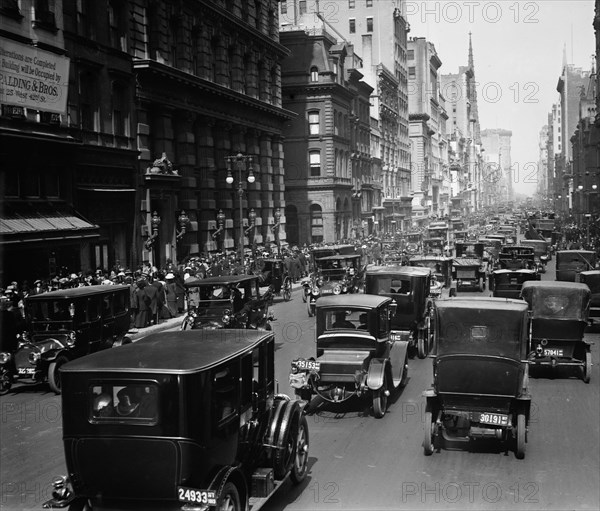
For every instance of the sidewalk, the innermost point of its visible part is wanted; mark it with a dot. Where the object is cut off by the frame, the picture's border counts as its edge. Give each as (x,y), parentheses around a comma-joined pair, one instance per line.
(135,334)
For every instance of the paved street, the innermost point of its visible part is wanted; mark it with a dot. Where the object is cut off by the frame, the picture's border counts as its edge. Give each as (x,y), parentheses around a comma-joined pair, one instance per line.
(359,462)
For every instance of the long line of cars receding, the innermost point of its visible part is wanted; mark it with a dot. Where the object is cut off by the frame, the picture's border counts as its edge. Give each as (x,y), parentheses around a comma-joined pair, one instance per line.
(191,419)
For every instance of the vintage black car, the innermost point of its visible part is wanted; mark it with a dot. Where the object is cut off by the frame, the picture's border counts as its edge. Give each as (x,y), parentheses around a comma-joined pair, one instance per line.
(179,420)
(227,301)
(468,269)
(542,252)
(592,279)
(516,257)
(356,355)
(508,283)
(272,273)
(442,283)
(409,287)
(68,324)
(480,374)
(334,275)
(570,263)
(559,316)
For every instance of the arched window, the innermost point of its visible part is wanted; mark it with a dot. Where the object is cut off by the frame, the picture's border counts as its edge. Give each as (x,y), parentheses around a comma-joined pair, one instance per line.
(314,74)
(314,159)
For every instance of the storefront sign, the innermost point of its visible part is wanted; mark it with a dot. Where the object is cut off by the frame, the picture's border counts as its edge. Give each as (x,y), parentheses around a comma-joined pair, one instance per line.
(33,78)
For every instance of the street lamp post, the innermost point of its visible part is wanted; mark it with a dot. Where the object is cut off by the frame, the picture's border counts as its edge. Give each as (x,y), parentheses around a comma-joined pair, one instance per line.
(275,229)
(241,162)
(251,227)
(221,224)
(149,244)
(183,221)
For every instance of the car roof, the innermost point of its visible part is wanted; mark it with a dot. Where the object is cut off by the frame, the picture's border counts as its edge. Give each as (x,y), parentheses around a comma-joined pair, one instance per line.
(491,303)
(352,300)
(338,257)
(431,257)
(556,285)
(220,280)
(75,292)
(399,270)
(177,352)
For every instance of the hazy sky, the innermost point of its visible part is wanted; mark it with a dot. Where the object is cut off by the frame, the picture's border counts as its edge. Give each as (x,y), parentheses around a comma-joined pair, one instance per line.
(518,54)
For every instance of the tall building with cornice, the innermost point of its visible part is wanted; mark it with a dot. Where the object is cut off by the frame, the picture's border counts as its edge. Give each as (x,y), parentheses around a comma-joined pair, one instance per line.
(377,31)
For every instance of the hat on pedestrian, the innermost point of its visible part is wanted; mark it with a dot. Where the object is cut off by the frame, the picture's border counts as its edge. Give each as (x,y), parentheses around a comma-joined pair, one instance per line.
(37,281)
(169,276)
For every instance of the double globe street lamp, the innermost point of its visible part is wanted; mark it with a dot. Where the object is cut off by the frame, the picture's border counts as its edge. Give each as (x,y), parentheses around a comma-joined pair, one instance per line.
(240,162)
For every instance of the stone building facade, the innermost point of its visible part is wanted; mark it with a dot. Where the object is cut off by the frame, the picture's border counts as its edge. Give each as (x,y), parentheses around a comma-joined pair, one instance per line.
(208,88)
(327,146)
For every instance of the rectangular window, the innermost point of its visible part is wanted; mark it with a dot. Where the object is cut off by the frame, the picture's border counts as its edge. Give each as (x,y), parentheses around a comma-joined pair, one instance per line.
(352,25)
(351,4)
(302,7)
(412,72)
(123,402)
(411,54)
(315,163)
(369,3)
(284,7)
(369,24)
(313,123)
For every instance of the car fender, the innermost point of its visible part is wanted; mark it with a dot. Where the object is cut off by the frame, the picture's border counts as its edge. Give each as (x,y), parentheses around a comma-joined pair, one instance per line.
(376,373)
(52,355)
(398,351)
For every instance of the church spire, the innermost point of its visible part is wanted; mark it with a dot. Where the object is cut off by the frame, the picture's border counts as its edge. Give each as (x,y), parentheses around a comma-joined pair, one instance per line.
(471,64)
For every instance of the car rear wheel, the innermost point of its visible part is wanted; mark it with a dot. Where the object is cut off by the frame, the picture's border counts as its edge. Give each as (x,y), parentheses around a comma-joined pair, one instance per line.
(300,466)
(229,499)
(380,400)
(587,368)
(521,436)
(428,432)
(54,373)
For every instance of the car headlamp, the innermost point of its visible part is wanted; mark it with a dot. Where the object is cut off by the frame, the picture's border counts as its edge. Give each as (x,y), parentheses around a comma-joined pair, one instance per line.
(337,290)
(4,357)
(315,290)
(320,281)
(34,357)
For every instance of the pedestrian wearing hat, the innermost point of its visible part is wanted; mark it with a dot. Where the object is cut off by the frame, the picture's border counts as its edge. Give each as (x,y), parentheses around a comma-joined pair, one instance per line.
(143,302)
(37,288)
(152,293)
(171,293)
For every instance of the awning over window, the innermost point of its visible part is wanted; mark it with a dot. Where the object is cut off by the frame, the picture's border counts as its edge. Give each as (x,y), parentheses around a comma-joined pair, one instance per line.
(44,226)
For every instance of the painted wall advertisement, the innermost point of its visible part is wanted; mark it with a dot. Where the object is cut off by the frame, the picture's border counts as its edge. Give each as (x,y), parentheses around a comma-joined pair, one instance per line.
(33,78)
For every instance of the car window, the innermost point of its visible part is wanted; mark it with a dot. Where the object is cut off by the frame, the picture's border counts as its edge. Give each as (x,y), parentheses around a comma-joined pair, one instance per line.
(120,301)
(93,308)
(106,304)
(120,402)
(225,380)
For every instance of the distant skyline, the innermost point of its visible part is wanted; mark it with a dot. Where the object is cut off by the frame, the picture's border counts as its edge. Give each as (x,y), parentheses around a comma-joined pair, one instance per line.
(518,48)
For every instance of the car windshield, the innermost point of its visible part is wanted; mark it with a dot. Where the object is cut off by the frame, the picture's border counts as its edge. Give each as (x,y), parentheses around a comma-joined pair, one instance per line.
(353,319)
(54,310)
(120,402)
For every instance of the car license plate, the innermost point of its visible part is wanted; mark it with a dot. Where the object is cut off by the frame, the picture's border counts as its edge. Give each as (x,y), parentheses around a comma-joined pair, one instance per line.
(192,495)
(552,352)
(26,370)
(497,419)
(308,365)
(326,291)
